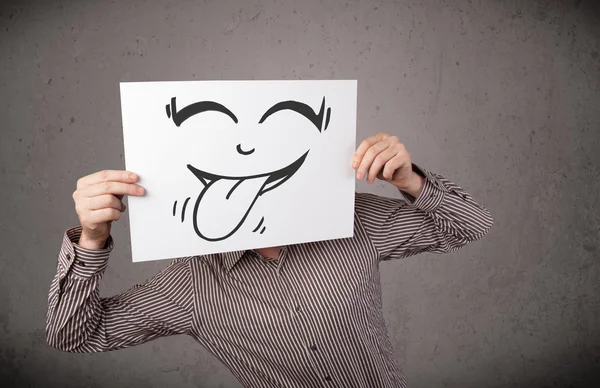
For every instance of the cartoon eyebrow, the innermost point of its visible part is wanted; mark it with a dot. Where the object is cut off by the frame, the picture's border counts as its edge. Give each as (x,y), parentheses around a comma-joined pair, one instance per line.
(195,108)
(303,109)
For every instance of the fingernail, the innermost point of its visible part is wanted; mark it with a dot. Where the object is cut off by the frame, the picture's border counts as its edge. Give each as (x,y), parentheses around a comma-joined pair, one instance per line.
(140,190)
(132,176)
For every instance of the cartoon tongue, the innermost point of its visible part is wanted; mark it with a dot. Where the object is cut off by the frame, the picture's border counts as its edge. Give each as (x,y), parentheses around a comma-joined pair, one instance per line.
(223,205)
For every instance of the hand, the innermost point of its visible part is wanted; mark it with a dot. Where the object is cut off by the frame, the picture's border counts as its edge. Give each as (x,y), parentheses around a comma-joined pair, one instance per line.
(383,156)
(98,203)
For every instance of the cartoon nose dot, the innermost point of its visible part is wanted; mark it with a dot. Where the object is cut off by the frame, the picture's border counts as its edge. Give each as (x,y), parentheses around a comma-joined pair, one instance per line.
(241,151)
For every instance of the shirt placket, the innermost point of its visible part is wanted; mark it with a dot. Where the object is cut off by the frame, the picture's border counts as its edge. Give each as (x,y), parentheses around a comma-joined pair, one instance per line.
(300,317)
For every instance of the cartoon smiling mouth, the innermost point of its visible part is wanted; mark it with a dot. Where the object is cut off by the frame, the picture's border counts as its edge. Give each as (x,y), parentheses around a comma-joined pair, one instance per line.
(232,198)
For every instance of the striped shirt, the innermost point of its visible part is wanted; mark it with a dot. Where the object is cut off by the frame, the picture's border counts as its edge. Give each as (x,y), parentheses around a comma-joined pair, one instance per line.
(311,318)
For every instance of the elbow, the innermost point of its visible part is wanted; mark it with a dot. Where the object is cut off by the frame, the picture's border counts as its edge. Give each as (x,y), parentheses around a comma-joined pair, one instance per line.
(462,239)
(450,242)
(487,223)
(54,340)
(52,332)
(61,341)
(481,230)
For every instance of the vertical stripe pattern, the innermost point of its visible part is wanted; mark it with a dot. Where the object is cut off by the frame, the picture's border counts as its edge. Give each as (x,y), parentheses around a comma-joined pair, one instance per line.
(312,318)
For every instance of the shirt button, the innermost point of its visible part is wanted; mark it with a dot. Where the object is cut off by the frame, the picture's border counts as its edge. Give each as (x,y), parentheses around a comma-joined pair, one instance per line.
(327,378)
(313,348)
(298,308)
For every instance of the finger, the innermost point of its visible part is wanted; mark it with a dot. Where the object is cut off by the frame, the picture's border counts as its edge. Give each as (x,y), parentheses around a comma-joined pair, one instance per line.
(115,188)
(394,164)
(380,160)
(369,156)
(105,201)
(365,145)
(106,176)
(102,215)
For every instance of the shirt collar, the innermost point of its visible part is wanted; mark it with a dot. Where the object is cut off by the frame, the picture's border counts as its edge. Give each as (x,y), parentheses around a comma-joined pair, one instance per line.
(231,258)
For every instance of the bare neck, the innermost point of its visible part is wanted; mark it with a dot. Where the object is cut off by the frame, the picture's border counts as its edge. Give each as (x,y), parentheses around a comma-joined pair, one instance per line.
(271,252)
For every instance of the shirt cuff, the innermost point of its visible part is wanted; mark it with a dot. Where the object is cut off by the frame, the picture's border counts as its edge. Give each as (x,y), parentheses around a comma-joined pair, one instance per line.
(83,262)
(432,195)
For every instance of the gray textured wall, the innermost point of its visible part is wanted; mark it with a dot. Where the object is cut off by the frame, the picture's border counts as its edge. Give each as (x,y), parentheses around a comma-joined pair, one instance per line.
(501,97)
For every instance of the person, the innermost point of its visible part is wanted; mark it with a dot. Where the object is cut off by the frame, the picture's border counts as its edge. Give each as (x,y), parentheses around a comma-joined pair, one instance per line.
(304,315)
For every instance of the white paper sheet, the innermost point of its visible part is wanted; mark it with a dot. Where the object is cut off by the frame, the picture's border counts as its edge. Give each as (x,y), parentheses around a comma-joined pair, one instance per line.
(234,165)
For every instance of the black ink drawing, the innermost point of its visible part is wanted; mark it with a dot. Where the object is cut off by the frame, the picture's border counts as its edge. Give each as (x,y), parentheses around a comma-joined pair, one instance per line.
(244,189)
(259,225)
(182,210)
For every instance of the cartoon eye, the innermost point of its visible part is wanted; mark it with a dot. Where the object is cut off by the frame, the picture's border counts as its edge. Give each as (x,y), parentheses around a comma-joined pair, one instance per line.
(303,109)
(193,109)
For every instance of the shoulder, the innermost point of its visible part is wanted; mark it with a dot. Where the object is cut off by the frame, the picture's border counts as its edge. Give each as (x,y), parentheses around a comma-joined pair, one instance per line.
(181,264)
(199,262)
(182,261)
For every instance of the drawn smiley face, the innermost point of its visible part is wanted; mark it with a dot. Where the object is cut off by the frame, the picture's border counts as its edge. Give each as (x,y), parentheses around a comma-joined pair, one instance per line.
(235,195)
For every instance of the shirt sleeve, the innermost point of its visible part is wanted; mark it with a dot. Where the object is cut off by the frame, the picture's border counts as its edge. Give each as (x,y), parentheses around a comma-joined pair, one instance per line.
(442,219)
(80,321)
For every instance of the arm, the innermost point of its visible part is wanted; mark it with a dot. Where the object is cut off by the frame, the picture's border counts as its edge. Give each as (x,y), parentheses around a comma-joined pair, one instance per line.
(80,321)
(441,219)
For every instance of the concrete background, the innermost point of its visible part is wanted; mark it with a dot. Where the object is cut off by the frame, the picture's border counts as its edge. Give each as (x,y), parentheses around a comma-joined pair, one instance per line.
(502,97)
